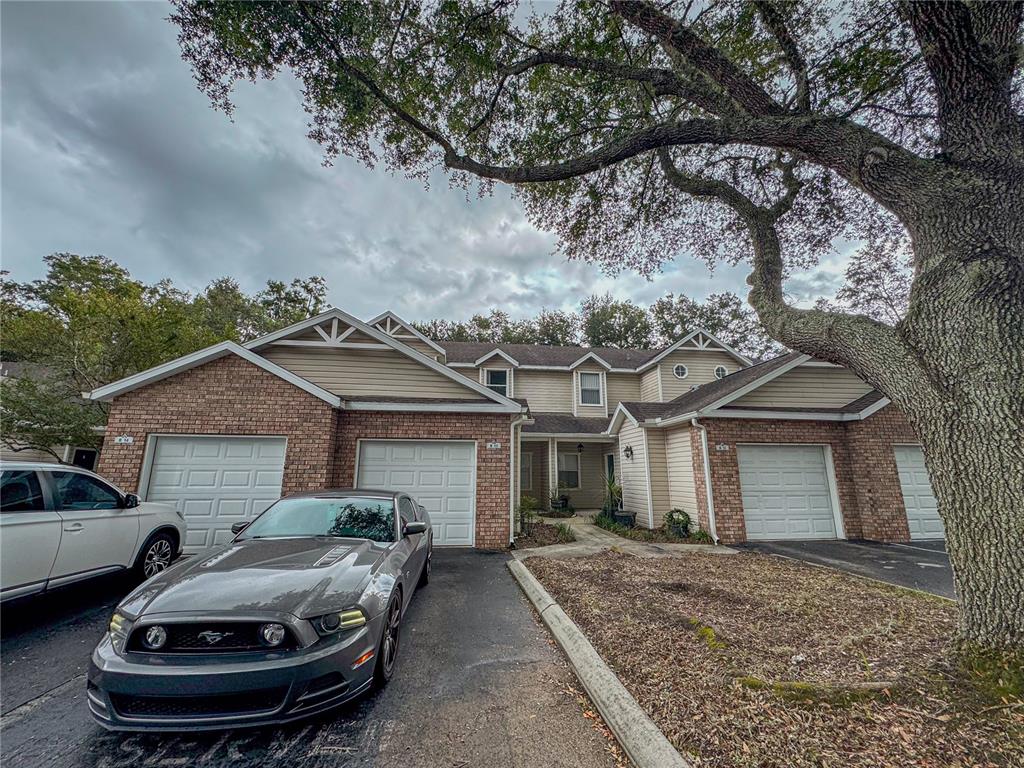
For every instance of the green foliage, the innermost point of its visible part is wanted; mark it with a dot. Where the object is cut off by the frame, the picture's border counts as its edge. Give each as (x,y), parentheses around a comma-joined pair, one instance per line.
(677,520)
(723,314)
(88,322)
(610,323)
(612,495)
(565,534)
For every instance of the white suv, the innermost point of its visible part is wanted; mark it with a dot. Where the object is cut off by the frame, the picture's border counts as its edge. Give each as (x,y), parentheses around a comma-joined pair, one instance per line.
(60,524)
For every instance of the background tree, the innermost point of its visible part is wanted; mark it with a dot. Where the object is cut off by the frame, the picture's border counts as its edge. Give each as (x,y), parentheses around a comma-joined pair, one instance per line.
(749,130)
(723,314)
(605,322)
(88,322)
(557,328)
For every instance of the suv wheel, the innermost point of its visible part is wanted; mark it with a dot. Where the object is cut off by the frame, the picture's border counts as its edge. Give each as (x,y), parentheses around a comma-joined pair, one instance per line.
(156,555)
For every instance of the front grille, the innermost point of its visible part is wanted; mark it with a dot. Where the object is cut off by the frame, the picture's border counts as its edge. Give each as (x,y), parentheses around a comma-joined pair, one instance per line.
(220,637)
(168,707)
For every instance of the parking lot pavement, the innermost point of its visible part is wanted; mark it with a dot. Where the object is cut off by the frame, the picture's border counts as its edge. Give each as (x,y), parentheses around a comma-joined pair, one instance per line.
(478,684)
(920,565)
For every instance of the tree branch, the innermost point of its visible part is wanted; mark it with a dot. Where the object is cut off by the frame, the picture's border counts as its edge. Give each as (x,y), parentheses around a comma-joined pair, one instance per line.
(773,19)
(747,93)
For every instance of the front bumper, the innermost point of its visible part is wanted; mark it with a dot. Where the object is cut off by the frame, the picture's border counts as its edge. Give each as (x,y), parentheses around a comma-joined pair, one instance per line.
(149,692)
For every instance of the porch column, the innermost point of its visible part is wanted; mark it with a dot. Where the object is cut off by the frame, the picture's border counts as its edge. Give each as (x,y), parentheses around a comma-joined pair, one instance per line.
(552,467)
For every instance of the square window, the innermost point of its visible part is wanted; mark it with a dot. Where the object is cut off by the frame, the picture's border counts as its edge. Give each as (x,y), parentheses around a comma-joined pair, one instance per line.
(569,471)
(590,389)
(497,380)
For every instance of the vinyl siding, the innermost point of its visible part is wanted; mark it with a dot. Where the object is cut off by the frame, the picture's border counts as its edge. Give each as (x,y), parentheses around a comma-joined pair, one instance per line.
(682,489)
(539,491)
(700,369)
(633,472)
(546,391)
(30,454)
(808,387)
(358,373)
(622,387)
(656,462)
(649,392)
(590,495)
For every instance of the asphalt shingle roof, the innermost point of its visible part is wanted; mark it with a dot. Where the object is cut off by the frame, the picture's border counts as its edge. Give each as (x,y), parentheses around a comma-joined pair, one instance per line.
(542,354)
(564,424)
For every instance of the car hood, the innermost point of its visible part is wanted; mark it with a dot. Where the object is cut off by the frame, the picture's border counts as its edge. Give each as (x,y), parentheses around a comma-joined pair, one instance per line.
(305,577)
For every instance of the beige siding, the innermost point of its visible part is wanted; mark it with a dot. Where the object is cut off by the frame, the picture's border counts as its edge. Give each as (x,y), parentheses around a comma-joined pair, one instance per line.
(546,391)
(357,373)
(540,471)
(700,369)
(590,494)
(633,472)
(423,348)
(590,411)
(622,387)
(682,490)
(29,454)
(649,391)
(807,387)
(656,462)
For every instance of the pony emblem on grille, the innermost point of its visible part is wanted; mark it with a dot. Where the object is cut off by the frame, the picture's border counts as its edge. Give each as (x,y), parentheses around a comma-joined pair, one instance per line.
(212,637)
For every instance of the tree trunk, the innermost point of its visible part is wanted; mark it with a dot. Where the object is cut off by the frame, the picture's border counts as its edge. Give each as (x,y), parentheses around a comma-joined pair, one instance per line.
(976,464)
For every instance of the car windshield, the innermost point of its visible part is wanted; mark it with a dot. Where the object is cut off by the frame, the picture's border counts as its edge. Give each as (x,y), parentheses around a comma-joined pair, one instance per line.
(352,517)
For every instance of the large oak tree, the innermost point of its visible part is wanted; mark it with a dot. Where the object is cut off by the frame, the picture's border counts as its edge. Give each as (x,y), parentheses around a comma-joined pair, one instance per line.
(744,130)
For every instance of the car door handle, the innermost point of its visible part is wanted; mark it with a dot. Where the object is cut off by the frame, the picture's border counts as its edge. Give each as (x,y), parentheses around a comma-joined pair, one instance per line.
(74,528)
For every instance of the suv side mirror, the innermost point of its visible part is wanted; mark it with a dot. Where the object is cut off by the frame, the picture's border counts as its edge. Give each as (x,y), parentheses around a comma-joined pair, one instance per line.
(239,527)
(413,528)
(131,501)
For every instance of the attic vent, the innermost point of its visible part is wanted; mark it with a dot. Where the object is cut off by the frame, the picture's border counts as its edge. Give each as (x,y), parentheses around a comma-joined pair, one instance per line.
(694,386)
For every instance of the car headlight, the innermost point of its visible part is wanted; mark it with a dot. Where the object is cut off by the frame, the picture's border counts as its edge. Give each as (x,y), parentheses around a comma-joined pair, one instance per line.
(119,629)
(339,621)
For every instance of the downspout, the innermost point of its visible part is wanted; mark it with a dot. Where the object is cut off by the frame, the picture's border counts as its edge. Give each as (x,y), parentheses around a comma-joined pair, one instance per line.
(706,459)
(512,467)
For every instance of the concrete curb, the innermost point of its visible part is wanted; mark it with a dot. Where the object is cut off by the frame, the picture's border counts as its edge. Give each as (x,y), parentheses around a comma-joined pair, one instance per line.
(643,742)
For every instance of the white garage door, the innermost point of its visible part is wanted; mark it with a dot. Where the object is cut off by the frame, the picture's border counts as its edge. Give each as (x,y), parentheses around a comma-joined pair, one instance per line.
(922,511)
(216,481)
(439,474)
(785,492)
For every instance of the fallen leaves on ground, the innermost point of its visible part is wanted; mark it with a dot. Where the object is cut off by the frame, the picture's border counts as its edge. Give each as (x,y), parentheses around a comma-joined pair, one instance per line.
(748,660)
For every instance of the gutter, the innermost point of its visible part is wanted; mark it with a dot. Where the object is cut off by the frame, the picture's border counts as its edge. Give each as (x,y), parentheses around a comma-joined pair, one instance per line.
(707,477)
(512,468)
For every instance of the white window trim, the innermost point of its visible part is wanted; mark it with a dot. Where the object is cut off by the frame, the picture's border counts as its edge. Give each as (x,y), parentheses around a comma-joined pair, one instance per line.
(579,471)
(600,389)
(686,371)
(526,463)
(724,369)
(509,377)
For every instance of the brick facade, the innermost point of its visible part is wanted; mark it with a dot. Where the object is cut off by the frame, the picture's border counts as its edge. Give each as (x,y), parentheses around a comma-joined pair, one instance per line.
(867,483)
(228,396)
(231,396)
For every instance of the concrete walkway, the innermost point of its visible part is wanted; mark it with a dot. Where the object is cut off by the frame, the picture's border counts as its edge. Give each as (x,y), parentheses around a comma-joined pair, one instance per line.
(591,540)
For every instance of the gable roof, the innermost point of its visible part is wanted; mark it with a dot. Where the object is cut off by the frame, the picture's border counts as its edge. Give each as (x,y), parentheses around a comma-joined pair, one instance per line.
(715,397)
(409,329)
(543,355)
(692,337)
(203,356)
(387,340)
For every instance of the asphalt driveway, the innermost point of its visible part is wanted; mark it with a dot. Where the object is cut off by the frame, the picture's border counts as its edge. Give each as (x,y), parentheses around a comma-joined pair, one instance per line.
(478,683)
(920,565)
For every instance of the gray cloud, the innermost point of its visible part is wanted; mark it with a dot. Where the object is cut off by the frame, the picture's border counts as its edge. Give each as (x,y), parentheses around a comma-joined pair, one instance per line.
(109,148)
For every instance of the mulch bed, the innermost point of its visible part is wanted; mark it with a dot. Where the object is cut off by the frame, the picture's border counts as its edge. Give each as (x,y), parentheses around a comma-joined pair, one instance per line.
(700,640)
(541,535)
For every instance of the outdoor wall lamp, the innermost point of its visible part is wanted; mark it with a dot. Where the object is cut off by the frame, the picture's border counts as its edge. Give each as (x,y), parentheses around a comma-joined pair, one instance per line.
(579,448)
(628,451)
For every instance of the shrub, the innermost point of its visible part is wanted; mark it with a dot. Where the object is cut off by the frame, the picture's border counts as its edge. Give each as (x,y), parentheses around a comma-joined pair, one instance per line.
(565,534)
(677,522)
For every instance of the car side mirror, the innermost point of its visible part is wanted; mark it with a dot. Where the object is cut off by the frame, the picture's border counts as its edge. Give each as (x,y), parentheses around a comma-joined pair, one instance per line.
(239,527)
(411,529)
(131,501)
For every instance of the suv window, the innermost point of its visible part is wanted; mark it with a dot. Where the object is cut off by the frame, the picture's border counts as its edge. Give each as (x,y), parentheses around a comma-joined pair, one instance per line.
(78,491)
(20,491)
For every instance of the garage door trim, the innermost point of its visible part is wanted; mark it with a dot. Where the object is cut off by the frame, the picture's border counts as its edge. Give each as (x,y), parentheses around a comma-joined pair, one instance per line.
(149,454)
(476,466)
(830,479)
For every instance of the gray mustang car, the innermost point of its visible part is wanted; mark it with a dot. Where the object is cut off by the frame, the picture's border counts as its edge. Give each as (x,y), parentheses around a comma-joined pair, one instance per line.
(299,613)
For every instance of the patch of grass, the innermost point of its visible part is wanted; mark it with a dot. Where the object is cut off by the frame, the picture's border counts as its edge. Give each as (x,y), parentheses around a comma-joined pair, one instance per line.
(707,634)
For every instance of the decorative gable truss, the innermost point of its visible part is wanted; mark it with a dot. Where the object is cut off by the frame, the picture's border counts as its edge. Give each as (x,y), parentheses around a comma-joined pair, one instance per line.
(700,341)
(397,328)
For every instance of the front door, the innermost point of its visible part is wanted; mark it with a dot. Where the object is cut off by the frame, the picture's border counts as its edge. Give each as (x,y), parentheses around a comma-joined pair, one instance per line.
(609,466)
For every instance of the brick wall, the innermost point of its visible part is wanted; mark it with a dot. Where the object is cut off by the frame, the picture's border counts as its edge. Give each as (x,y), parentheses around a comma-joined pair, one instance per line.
(229,396)
(867,482)
(492,478)
(876,479)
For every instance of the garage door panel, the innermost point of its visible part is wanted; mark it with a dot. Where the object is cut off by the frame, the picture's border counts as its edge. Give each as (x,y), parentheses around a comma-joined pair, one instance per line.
(216,481)
(440,475)
(923,519)
(785,492)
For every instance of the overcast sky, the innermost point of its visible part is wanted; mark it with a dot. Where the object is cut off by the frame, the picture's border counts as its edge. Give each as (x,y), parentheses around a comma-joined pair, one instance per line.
(108,148)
